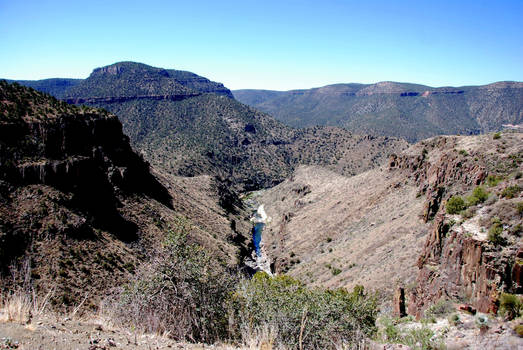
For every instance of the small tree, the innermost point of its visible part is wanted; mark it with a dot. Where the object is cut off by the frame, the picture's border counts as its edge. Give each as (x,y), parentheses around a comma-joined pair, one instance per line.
(455,204)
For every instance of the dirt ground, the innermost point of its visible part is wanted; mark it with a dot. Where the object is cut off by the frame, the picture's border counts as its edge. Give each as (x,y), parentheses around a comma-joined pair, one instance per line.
(66,334)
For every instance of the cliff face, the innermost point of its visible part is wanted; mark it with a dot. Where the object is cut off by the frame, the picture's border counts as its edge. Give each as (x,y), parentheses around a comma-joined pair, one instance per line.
(80,211)
(459,267)
(78,151)
(459,261)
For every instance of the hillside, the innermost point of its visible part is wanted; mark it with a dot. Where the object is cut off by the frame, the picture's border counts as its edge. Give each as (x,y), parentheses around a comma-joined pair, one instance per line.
(80,211)
(186,125)
(54,86)
(410,111)
(388,227)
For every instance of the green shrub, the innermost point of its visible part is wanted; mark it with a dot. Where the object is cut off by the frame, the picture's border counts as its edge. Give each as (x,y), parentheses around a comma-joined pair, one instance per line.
(519,330)
(454,319)
(416,338)
(455,204)
(480,193)
(511,191)
(312,318)
(463,152)
(493,180)
(519,207)
(182,292)
(335,271)
(495,232)
(441,308)
(510,305)
(497,136)
(517,230)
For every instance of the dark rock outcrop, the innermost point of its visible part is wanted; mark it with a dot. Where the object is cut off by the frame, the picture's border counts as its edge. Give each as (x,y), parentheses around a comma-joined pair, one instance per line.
(79,151)
(458,264)
(455,266)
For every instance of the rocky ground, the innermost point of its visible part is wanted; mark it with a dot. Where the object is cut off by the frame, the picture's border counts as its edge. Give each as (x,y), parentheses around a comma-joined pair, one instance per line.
(67,334)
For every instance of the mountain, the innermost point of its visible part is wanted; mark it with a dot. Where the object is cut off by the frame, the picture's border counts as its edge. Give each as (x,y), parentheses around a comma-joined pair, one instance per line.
(390,227)
(411,111)
(54,86)
(80,210)
(186,125)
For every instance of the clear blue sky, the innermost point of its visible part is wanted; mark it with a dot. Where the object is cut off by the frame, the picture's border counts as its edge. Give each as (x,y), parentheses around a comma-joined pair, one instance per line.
(269,44)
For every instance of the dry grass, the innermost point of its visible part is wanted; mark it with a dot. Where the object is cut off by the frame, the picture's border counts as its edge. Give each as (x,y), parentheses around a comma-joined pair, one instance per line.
(21,306)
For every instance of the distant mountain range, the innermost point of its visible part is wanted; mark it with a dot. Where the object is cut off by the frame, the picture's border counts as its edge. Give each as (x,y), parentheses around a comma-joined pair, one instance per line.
(411,111)
(184,124)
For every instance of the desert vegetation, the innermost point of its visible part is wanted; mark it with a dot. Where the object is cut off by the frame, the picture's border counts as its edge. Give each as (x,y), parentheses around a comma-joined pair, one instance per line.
(185,294)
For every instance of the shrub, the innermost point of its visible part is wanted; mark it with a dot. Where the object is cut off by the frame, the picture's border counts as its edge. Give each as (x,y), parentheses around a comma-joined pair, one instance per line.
(519,330)
(493,180)
(441,308)
(468,213)
(511,191)
(182,292)
(481,320)
(455,204)
(510,305)
(495,232)
(496,136)
(454,319)
(302,317)
(335,271)
(519,207)
(416,338)
(480,193)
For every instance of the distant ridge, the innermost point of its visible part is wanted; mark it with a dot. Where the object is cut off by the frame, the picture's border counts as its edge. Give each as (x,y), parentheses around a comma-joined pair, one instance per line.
(411,111)
(184,124)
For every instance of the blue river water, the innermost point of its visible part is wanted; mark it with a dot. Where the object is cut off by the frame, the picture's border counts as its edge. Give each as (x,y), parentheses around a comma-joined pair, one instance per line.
(257,236)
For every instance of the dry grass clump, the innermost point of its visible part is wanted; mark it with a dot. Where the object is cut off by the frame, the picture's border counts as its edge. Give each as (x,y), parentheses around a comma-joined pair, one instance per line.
(21,306)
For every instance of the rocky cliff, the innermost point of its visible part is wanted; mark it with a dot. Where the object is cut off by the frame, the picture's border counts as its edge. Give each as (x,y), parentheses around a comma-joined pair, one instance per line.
(460,260)
(80,210)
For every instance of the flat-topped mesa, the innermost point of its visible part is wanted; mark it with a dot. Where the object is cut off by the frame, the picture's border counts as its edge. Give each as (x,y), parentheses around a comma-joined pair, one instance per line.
(124,81)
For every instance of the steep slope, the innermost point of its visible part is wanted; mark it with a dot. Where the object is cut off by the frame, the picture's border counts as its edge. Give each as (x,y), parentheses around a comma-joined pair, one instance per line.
(473,252)
(78,208)
(384,227)
(186,125)
(411,111)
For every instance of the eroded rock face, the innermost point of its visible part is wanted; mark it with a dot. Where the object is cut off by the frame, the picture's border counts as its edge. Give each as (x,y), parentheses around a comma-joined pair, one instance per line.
(458,267)
(84,153)
(436,175)
(457,263)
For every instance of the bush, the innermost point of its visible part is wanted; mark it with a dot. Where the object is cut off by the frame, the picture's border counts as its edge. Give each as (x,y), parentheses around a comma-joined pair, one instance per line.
(493,180)
(510,305)
(497,136)
(441,308)
(454,319)
(519,207)
(480,194)
(416,338)
(511,191)
(455,204)
(481,320)
(301,317)
(182,292)
(495,232)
